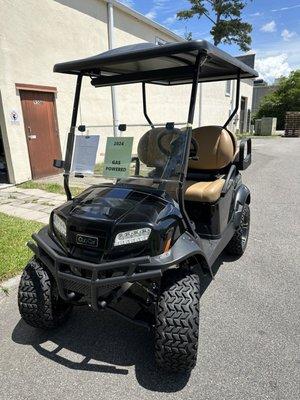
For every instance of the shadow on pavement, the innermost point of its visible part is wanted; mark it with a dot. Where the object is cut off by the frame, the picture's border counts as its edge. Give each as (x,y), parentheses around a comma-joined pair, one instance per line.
(104,343)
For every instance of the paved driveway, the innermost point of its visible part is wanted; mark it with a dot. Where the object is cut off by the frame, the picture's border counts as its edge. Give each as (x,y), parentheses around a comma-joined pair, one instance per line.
(32,204)
(249,319)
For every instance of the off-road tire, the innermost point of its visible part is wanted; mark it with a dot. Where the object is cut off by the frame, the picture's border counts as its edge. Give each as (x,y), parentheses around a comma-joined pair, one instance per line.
(238,242)
(38,300)
(177,323)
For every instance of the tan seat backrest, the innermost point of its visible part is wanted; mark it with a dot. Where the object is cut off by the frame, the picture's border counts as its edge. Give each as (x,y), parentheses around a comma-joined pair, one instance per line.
(216,148)
(148,150)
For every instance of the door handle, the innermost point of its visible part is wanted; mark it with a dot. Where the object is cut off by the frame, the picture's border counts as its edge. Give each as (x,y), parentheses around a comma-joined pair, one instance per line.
(30,135)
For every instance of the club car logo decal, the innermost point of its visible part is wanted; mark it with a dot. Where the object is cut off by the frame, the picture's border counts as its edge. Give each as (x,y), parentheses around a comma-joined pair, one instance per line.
(85,240)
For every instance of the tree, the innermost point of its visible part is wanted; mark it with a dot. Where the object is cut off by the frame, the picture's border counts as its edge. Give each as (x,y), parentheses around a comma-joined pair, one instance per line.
(285,98)
(226,18)
(188,36)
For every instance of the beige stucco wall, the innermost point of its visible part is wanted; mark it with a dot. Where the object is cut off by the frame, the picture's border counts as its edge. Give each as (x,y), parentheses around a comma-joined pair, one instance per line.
(34,35)
(216,104)
(247,92)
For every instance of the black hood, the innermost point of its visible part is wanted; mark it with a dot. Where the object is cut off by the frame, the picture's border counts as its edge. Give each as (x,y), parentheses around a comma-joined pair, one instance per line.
(104,211)
(118,204)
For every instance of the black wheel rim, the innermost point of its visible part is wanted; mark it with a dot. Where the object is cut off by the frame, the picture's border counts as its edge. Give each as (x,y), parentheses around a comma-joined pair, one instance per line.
(245,229)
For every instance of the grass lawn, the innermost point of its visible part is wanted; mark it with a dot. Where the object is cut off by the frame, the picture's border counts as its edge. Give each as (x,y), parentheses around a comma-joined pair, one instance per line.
(50,187)
(98,170)
(14,253)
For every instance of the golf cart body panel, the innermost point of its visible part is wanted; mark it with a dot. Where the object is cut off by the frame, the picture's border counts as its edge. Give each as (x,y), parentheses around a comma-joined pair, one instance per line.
(242,197)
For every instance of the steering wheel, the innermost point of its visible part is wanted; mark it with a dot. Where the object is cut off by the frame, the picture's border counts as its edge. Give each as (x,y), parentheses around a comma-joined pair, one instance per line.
(194,150)
(166,132)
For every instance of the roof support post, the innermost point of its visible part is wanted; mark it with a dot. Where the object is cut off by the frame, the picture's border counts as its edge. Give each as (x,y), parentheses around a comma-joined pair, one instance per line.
(110,33)
(71,138)
(145,106)
(194,88)
(186,150)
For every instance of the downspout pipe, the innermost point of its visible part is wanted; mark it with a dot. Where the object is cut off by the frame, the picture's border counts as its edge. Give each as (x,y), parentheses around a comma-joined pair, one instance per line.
(110,33)
(200,103)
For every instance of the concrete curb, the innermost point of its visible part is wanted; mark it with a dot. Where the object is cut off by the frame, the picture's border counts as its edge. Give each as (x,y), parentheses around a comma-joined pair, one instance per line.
(8,285)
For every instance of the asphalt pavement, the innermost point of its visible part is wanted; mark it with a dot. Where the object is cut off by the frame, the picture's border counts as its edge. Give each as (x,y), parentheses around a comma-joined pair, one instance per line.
(249,331)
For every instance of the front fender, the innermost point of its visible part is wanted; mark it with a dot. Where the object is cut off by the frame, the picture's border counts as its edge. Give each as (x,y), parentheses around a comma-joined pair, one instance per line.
(184,248)
(242,197)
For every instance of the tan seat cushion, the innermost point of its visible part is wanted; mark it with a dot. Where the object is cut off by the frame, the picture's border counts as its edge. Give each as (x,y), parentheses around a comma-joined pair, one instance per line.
(216,148)
(208,192)
(148,150)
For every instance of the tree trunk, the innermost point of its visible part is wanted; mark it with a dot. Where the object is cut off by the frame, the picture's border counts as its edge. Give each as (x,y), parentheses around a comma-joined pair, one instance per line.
(218,17)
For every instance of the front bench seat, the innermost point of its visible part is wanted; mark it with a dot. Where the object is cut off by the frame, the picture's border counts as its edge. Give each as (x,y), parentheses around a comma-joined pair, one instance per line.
(207,192)
(216,150)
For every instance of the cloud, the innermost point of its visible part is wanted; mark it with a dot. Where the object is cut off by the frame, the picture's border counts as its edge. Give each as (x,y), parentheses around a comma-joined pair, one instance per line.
(160,6)
(170,20)
(128,3)
(286,8)
(273,67)
(179,32)
(287,35)
(160,3)
(257,14)
(269,27)
(272,49)
(151,14)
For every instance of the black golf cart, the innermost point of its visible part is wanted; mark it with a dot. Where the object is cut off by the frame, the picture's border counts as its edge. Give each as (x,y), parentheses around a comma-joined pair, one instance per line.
(134,246)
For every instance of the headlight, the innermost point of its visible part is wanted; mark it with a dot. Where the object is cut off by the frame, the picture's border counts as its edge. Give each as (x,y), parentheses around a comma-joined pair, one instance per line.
(60,225)
(137,235)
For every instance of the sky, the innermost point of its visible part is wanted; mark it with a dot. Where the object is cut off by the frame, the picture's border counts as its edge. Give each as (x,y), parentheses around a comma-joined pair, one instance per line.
(275,35)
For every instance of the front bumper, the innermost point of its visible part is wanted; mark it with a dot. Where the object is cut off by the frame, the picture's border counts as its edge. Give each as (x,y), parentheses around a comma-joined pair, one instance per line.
(130,270)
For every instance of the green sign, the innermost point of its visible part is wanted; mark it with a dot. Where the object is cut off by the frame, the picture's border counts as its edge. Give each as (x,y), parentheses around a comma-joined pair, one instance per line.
(117,157)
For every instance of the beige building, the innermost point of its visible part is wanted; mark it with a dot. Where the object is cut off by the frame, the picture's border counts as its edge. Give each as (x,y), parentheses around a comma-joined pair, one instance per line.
(36,104)
(260,90)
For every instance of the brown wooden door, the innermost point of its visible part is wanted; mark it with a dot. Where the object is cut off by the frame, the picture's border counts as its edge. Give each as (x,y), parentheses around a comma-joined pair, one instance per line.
(41,130)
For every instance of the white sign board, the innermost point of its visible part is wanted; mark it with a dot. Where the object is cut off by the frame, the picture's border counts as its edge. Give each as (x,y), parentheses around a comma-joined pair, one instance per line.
(85,152)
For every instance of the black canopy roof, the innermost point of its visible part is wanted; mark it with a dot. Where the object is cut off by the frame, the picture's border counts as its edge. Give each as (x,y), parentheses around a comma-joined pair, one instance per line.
(171,63)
